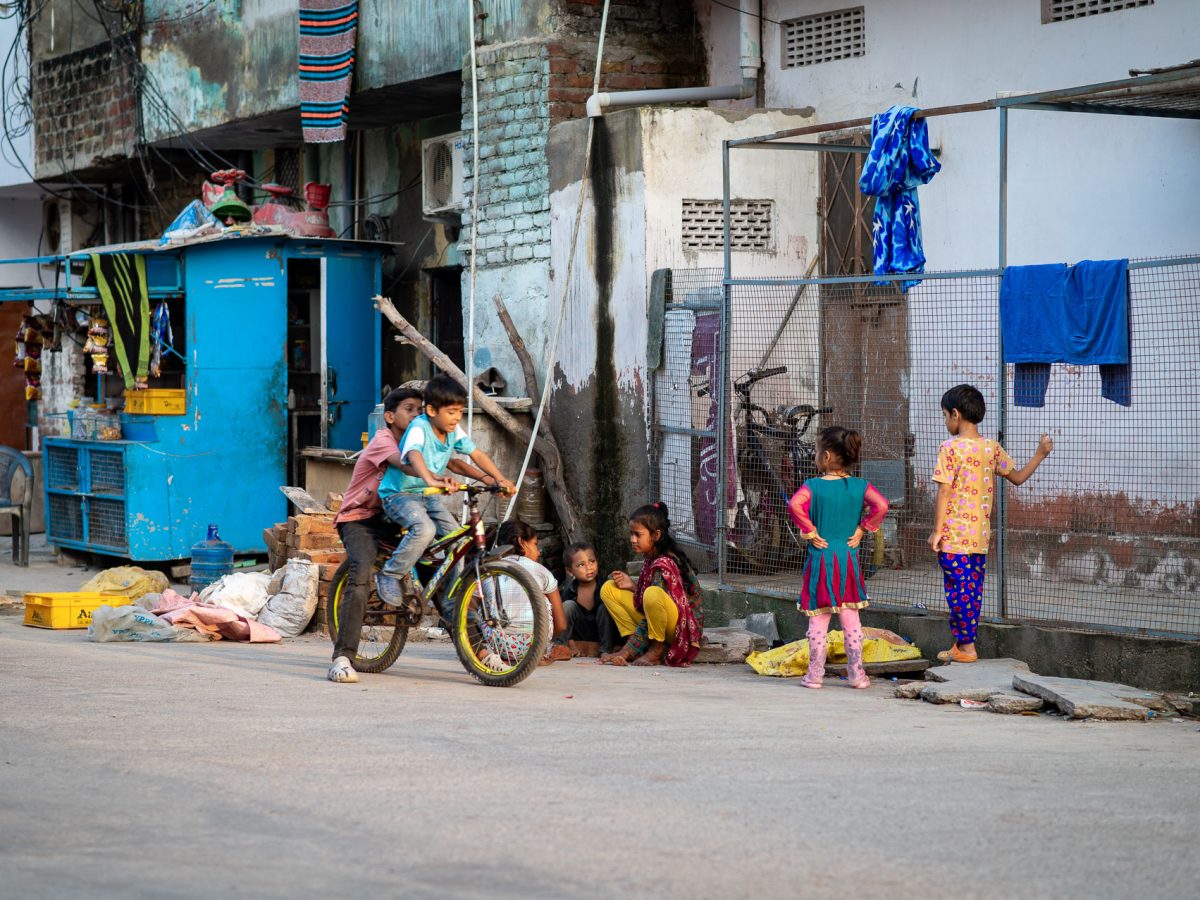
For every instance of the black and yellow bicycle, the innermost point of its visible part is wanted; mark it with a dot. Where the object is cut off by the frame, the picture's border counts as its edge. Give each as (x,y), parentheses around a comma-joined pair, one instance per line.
(500,621)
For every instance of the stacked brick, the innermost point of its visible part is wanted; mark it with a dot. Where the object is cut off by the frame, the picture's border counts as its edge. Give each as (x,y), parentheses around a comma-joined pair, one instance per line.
(310,536)
(86,107)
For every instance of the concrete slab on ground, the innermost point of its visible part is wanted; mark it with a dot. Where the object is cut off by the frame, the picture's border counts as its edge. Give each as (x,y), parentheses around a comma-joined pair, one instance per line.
(987,681)
(1081,699)
(729,645)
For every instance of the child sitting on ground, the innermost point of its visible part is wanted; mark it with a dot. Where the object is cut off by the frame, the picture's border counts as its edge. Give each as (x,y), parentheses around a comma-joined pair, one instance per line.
(588,619)
(428,445)
(522,537)
(833,512)
(964,473)
(661,615)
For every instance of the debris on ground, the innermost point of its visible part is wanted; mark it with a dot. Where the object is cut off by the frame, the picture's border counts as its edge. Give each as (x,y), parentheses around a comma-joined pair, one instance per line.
(1007,686)
(132,581)
(313,537)
(729,645)
(879,646)
(988,681)
(759,623)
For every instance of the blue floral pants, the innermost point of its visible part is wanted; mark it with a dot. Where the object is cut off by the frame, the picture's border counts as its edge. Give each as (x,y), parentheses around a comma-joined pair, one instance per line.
(962,577)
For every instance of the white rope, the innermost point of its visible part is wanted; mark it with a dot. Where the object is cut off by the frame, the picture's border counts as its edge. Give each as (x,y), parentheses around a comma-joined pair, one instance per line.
(474,218)
(552,350)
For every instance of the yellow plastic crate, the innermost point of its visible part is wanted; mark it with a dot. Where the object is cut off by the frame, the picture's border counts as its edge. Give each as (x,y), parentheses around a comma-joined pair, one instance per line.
(157,402)
(68,610)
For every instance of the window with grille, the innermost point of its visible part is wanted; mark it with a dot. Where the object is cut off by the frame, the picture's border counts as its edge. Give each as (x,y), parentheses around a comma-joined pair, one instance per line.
(749,224)
(1065,10)
(823,38)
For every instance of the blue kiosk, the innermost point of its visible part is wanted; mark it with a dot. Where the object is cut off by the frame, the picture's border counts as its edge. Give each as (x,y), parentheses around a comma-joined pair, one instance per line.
(275,345)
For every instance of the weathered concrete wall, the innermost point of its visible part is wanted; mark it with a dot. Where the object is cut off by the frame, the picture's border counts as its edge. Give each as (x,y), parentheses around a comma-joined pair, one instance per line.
(216,63)
(645,163)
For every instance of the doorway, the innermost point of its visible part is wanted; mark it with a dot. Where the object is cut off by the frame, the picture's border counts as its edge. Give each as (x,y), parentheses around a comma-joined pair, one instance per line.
(445,297)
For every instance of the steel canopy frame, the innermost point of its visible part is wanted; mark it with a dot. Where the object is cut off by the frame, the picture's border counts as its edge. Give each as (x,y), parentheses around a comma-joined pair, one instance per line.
(1173,93)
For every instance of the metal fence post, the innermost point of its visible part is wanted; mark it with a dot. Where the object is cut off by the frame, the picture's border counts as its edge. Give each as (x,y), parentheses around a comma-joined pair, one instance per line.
(722,529)
(1001,372)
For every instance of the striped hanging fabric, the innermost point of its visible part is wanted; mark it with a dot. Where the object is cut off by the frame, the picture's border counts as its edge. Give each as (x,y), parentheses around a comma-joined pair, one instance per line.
(327,32)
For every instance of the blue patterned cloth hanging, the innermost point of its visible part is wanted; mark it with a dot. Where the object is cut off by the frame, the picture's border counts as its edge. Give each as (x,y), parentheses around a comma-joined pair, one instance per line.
(899,160)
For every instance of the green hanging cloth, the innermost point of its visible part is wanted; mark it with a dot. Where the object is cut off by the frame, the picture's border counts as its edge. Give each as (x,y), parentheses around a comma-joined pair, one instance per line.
(121,280)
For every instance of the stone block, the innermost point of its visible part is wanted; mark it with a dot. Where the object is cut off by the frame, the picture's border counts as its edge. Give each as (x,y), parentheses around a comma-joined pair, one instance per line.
(982,681)
(729,645)
(1081,699)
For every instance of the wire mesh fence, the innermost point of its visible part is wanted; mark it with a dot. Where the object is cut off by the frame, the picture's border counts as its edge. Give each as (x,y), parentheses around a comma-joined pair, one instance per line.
(1105,535)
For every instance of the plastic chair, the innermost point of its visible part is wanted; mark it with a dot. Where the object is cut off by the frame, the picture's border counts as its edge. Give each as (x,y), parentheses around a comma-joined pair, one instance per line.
(20,509)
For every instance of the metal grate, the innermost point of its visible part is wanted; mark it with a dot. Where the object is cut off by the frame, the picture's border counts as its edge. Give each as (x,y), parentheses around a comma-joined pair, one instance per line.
(1065,10)
(750,225)
(824,38)
(287,168)
(1104,536)
(65,520)
(62,468)
(106,523)
(107,472)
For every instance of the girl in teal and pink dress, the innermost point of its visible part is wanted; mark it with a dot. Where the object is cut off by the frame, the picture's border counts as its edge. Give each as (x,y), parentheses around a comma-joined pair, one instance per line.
(833,511)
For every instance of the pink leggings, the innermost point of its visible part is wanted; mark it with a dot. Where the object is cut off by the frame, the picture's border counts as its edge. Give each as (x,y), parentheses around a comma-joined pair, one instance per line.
(818,628)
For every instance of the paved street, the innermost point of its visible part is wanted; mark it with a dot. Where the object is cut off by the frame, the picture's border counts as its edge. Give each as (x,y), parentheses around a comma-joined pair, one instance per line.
(196,770)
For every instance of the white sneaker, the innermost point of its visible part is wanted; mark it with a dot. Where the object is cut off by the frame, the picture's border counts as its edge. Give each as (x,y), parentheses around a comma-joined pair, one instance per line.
(494,662)
(342,672)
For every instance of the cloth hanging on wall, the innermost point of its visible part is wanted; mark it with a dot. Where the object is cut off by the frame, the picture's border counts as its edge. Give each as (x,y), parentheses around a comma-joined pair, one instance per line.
(120,279)
(899,160)
(1077,315)
(327,33)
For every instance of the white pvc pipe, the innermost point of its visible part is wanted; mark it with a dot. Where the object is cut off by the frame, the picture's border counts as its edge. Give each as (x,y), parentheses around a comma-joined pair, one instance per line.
(749,59)
(474,221)
(597,103)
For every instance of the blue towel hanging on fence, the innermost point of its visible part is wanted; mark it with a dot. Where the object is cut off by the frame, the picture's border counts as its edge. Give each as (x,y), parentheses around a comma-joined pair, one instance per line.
(1067,314)
(899,160)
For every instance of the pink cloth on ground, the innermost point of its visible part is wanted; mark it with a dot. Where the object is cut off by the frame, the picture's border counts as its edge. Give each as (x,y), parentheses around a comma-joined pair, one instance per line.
(222,623)
(171,600)
(361,500)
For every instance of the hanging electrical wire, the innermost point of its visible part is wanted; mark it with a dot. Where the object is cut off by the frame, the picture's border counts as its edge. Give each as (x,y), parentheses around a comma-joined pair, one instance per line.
(474,218)
(552,350)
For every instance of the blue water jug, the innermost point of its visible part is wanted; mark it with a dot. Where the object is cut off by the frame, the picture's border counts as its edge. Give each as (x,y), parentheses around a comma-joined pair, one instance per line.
(211,559)
(375,421)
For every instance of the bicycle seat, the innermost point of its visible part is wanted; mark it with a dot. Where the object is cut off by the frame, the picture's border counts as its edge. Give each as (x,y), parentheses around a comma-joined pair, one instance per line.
(791,413)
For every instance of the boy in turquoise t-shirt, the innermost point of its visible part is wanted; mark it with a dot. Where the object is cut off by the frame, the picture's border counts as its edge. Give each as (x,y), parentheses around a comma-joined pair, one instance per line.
(427,448)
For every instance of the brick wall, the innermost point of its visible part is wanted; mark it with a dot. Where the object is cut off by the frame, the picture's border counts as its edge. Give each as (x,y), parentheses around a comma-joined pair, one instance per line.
(514,120)
(526,87)
(85,108)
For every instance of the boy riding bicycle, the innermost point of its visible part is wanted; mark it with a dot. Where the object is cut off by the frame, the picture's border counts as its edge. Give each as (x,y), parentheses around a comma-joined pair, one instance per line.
(427,449)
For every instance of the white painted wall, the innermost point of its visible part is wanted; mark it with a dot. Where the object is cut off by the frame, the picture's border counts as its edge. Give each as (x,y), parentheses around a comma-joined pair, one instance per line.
(681,158)
(1080,186)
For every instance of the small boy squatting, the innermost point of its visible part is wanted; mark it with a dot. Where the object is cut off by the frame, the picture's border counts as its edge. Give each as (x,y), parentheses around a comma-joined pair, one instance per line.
(965,470)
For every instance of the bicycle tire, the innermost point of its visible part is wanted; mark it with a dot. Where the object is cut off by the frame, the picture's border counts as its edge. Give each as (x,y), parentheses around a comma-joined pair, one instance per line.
(370,665)
(464,632)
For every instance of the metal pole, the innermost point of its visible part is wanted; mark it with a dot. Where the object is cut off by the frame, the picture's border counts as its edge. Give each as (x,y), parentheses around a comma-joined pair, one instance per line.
(723,450)
(1001,369)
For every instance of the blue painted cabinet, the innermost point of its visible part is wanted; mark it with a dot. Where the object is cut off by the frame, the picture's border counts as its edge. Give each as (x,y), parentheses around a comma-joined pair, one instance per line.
(222,462)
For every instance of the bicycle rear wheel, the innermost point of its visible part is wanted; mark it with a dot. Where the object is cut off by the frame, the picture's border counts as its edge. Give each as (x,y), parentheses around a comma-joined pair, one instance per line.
(501,623)
(384,630)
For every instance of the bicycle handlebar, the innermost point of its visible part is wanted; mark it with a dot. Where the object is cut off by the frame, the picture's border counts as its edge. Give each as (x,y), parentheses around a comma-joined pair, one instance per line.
(470,490)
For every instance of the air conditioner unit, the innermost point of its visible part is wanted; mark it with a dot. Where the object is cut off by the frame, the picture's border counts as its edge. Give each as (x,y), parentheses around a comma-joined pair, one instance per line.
(65,228)
(442,177)
(57,227)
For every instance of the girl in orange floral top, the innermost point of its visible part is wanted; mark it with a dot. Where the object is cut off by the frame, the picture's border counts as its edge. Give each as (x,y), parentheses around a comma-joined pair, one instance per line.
(966,466)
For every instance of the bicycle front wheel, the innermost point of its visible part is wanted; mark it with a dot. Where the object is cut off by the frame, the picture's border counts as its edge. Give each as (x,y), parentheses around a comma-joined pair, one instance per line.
(501,623)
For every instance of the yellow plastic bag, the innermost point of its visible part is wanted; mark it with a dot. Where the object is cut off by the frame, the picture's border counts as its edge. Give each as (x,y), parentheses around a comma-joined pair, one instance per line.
(130,581)
(792,659)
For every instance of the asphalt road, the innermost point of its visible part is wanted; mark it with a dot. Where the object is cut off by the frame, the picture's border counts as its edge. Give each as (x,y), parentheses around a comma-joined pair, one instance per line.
(196,770)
